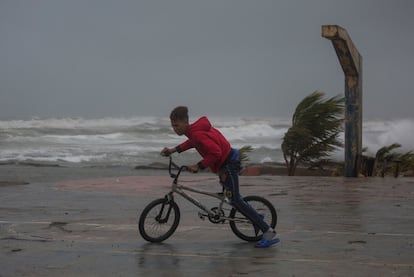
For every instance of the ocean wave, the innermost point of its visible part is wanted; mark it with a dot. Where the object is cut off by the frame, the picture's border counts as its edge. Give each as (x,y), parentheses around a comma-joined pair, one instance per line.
(75,123)
(132,141)
(253,131)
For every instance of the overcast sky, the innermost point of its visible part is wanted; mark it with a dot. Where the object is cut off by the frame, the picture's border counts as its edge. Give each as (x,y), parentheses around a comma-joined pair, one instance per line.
(102,58)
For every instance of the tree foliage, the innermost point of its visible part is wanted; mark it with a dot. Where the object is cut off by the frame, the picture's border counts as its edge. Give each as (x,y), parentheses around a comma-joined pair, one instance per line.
(386,155)
(316,124)
(243,153)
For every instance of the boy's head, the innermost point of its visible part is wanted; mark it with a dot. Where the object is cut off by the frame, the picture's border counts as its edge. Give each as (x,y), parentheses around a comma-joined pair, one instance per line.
(179,120)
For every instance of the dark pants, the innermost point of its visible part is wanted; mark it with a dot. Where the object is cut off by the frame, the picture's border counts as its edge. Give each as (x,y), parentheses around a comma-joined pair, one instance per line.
(229,178)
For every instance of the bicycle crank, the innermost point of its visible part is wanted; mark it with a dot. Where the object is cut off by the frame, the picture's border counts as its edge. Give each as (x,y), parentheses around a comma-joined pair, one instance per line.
(217,216)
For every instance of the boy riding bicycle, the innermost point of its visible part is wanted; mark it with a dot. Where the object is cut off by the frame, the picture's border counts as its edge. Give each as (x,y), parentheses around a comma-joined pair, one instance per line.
(217,155)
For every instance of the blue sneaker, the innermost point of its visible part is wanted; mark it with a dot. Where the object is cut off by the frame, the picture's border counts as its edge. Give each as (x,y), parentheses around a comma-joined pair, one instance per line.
(263,243)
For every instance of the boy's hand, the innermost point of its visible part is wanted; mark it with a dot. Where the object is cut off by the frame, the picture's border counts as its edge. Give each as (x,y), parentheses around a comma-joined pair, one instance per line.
(167,151)
(193,168)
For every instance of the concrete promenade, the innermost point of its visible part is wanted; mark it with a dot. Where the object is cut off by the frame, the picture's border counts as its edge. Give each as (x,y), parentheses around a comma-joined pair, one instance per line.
(328,226)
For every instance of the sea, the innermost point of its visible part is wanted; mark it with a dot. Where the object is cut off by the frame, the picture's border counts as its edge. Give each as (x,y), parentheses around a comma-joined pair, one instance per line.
(137,141)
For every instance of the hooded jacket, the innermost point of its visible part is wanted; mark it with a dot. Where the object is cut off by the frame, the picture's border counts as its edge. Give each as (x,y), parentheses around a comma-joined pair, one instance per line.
(208,141)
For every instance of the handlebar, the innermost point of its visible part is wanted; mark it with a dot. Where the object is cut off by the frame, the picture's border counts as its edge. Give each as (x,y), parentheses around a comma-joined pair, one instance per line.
(180,169)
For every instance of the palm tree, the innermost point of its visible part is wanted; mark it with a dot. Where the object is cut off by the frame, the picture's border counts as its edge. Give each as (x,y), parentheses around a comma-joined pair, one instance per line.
(243,153)
(316,124)
(385,156)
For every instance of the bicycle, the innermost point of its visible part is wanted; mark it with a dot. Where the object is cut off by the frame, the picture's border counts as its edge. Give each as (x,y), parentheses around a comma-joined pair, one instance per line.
(160,218)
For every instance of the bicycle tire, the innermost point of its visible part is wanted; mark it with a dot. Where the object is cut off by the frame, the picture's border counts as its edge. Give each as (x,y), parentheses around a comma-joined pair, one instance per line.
(246,230)
(153,229)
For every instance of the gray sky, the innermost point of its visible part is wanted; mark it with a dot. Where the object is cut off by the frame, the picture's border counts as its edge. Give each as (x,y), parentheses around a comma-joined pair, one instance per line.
(220,57)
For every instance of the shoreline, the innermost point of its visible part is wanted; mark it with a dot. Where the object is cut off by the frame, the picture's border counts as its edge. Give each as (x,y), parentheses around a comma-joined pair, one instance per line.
(32,172)
(26,173)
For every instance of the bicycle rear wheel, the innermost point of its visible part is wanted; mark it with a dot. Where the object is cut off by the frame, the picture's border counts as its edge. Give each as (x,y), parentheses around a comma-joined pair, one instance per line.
(244,228)
(159,220)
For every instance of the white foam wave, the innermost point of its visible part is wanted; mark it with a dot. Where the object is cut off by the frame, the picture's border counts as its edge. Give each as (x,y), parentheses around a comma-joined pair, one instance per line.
(77,123)
(49,155)
(134,140)
(378,134)
(252,131)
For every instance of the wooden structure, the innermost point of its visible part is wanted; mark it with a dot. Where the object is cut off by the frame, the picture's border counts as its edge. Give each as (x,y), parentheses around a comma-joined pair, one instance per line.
(351,62)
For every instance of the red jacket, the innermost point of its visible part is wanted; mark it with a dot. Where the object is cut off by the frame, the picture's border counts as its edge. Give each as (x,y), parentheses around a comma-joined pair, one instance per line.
(208,141)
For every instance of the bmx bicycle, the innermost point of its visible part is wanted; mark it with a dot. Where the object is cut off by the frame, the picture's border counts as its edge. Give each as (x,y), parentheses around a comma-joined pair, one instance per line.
(160,218)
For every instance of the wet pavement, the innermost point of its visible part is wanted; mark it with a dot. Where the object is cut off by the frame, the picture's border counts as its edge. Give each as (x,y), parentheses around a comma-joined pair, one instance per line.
(328,226)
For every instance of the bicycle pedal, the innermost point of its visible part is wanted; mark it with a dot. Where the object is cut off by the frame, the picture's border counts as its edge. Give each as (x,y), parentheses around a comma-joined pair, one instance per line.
(202,216)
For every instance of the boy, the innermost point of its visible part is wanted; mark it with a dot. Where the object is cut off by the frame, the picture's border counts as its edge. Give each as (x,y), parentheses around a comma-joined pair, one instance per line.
(218,155)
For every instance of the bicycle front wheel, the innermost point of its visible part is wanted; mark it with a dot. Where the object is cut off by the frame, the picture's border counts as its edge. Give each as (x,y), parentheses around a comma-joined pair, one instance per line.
(159,220)
(243,227)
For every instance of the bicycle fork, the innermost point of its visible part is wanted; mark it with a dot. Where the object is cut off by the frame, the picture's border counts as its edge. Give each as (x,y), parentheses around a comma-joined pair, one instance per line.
(163,217)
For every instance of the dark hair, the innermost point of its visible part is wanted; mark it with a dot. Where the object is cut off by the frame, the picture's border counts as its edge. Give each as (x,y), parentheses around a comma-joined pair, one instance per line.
(179,113)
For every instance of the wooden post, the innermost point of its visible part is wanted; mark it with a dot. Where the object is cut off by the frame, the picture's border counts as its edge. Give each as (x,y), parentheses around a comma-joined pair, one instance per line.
(397,168)
(351,62)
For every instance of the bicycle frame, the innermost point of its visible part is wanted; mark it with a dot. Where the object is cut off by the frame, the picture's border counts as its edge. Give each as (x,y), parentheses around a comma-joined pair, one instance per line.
(180,189)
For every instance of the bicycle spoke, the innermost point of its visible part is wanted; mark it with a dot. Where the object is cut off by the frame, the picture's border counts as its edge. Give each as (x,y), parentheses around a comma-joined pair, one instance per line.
(244,228)
(159,220)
